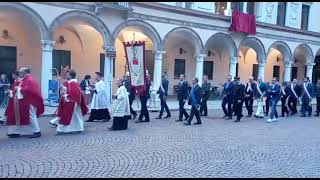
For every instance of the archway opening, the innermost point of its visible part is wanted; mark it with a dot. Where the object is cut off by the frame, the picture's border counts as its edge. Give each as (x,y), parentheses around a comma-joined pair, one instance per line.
(274,65)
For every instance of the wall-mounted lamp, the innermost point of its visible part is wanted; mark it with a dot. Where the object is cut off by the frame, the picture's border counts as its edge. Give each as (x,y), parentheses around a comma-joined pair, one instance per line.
(278,59)
(210,53)
(5,34)
(61,40)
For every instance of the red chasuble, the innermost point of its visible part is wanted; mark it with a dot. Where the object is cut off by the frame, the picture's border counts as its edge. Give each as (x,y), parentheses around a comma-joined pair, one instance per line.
(74,97)
(18,112)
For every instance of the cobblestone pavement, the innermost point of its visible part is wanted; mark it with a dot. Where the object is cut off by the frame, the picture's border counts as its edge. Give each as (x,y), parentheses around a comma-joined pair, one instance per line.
(165,148)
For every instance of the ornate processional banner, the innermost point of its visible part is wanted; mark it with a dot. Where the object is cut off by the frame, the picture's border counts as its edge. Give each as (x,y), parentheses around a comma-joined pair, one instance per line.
(135,55)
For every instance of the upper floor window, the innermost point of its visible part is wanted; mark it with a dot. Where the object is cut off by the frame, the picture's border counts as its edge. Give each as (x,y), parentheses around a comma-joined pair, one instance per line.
(238,6)
(281,16)
(305,17)
(250,7)
(220,7)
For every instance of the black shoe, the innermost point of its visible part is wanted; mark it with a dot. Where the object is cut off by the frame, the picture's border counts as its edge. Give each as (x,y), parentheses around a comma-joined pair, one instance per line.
(147,120)
(228,118)
(178,120)
(53,124)
(186,118)
(248,115)
(187,123)
(238,120)
(134,116)
(303,116)
(168,116)
(158,117)
(225,116)
(197,123)
(111,129)
(139,121)
(35,135)
(13,135)
(204,114)
(316,115)
(265,114)
(1,122)
(105,120)
(89,120)
(309,115)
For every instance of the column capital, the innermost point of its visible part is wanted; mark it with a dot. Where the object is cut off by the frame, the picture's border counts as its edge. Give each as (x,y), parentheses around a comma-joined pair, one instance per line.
(288,64)
(159,55)
(234,60)
(310,64)
(47,45)
(201,55)
(110,51)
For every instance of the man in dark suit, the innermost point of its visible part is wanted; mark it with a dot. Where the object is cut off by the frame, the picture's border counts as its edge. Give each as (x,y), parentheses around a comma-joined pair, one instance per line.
(294,94)
(194,101)
(274,92)
(317,95)
(306,97)
(285,90)
(238,98)
(144,96)
(205,95)
(249,94)
(127,85)
(228,89)
(163,93)
(183,93)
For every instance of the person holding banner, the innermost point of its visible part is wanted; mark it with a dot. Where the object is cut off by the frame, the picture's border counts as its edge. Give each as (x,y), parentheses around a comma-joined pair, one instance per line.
(260,95)
(144,96)
(74,107)
(306,97)
(25,107)
(294,94)
(99,104)
(120,108)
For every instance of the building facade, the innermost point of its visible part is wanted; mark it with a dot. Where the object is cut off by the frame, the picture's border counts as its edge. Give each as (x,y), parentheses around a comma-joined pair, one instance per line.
(181,37)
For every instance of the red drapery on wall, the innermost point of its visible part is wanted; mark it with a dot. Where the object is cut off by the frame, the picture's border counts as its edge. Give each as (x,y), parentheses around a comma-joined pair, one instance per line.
(242,22)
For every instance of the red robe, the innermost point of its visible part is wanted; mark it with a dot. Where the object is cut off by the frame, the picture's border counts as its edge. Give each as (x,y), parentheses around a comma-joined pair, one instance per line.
(31,93)
(74,96)
(11,100)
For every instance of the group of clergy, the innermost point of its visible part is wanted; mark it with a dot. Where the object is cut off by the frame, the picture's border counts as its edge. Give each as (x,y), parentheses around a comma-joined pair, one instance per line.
(268,95)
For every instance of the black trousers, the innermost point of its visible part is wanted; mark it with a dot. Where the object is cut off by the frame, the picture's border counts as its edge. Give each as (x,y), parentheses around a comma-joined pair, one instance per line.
(144,110)
(318,105)
(237,107)
(182,111)
(305,107)
(249,103)
(267,105)
(194,112)
(164,106)
(284,108)
(204,107)
(292,103)
(130,102)
(225,101)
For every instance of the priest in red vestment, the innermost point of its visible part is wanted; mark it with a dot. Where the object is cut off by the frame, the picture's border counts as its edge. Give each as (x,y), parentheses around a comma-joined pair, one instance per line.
(63,90)
(74,107)
(25,107)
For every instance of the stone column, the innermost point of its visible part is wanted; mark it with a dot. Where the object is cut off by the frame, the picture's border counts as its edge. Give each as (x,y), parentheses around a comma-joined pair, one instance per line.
(108,71)
(199,67)
(158,56)
(261,70)
(287,71)
(309,70)
(46,67)
(233,66)
(228,11)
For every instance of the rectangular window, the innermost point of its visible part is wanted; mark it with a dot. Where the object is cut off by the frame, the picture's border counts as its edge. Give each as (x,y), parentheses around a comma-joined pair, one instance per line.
(294,73)
(281,14)
(220,7)
(60,58)
(237,6)
(208,69)
(8,59)
(179,67)
(276,72)
(255,69)
(305,17)
(102,61)
(250,7)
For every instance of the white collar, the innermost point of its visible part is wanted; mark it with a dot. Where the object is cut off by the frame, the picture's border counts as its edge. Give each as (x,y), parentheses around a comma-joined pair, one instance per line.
(72,80)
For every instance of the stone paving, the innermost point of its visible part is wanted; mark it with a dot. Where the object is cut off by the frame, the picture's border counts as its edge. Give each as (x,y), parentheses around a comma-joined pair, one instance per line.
(165,148)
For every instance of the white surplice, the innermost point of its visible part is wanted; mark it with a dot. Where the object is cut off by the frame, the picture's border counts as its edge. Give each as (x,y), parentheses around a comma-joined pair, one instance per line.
(99,99)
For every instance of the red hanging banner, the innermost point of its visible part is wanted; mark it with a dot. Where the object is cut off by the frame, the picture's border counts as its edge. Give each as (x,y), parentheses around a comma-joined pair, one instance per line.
(242,22)
(135,55)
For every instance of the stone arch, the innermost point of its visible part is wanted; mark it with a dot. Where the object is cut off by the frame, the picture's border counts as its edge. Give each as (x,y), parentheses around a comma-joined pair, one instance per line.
(284,49)
(145,27)
(228,40)
(86,17)
(32,14)
(307,52)
(196,40)
(256,45)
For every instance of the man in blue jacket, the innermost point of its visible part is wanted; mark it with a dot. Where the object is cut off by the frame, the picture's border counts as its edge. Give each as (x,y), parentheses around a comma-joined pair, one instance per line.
(194,101)
(306,97)
(227,92)
(274,92)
